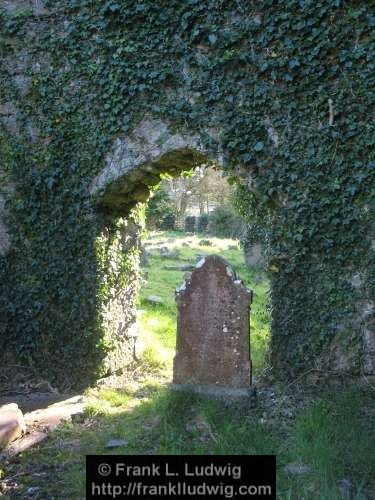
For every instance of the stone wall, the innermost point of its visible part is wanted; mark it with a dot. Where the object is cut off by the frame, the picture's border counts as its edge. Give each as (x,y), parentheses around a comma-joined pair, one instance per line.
(118,312)
(103,232)
(4,236)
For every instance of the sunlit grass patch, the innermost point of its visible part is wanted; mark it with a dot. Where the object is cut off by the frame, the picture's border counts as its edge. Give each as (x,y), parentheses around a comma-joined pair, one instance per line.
(115,397)
(104,400)
(157,339)
(157,324)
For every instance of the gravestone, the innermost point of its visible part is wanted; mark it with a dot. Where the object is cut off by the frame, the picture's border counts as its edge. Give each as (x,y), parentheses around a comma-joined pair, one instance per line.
(213,338)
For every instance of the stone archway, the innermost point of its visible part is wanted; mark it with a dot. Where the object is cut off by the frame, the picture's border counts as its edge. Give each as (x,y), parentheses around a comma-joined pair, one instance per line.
(135,164)
(67,98)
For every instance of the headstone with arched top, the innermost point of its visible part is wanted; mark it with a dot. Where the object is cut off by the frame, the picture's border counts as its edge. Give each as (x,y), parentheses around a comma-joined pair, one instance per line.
(213,337)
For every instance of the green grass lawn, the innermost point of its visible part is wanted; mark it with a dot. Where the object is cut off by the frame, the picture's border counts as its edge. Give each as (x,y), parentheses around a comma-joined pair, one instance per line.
(158,322)
(330,434)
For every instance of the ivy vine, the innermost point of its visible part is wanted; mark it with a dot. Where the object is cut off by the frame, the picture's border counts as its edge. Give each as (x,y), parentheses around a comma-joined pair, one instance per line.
(290,85)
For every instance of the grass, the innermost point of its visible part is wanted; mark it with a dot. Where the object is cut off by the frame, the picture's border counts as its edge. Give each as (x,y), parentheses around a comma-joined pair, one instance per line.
(158,322)
(334,437)
(332,434)
(331,437)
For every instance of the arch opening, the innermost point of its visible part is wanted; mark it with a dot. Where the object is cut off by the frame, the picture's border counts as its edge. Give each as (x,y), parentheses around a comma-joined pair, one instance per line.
(125,191)
(134,187)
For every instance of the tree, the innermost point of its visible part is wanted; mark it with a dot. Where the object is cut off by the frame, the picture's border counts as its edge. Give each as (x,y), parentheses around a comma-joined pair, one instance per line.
(201,189)
(160,210)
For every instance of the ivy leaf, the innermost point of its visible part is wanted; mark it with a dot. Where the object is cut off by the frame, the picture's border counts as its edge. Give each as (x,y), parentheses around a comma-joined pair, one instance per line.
(294,63)
(113,7)
(259,146)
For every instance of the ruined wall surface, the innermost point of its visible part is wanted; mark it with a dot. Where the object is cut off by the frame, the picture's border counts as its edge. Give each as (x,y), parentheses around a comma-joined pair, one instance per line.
(97,100)
(4,236)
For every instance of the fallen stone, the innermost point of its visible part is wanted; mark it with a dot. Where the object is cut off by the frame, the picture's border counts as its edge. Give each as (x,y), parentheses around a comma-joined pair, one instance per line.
(25,443)
(44,421)
(205,243)
(12,424)
(297,469)
(154,299)
(49,418)
(174,254)
(116,443)
(164,251)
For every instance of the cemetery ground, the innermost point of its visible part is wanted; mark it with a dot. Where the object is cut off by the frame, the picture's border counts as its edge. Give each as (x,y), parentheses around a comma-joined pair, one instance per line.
(324,439)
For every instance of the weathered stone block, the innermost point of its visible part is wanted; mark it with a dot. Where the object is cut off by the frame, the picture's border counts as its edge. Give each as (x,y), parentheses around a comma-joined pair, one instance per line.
(12,424)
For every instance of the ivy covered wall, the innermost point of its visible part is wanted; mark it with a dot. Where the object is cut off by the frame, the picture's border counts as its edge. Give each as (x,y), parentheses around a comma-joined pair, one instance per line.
(280,92)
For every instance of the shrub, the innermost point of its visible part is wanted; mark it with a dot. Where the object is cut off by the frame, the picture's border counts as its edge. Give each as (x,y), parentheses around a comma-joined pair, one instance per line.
(168,222)
(203,220)
(160,213)
(225,222)
(190,223)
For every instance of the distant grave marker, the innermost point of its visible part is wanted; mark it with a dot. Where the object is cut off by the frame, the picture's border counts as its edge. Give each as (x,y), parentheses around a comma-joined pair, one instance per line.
(213,341)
